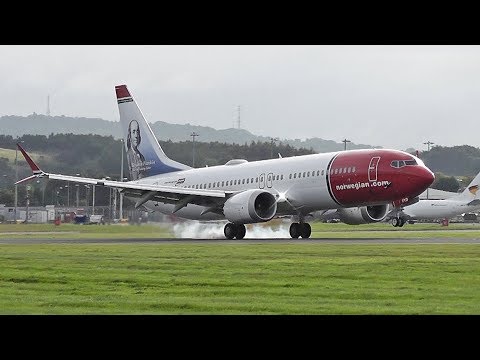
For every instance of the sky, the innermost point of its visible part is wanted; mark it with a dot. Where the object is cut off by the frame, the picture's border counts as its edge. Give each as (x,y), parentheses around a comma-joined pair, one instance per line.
(391,96)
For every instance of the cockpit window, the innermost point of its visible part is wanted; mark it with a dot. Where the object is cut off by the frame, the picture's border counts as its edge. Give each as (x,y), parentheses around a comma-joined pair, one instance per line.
(402,163)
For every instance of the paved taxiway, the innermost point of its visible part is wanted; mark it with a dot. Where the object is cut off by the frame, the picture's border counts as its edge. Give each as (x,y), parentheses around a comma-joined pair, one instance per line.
(243,241)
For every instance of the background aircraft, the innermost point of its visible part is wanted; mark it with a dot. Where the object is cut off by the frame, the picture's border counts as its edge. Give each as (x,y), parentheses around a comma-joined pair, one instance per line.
(464,202)
(245,192)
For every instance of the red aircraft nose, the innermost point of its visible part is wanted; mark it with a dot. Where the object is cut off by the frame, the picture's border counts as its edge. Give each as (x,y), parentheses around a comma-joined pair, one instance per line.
(426,176)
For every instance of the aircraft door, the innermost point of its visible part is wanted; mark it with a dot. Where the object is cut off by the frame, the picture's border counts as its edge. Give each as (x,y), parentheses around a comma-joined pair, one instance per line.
(261,181)
(373,168)
(269,180)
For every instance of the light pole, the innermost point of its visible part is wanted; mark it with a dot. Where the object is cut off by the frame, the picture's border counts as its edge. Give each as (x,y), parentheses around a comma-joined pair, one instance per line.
(78,193)
(16,179)
(428,143)
(121,179)
(93,200)
(345,141)
(193,135)
(68,194)
(78,196)
(272,142)
(87,189)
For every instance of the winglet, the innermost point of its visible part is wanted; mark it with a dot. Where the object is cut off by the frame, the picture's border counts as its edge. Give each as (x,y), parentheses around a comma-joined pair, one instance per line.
(36,170)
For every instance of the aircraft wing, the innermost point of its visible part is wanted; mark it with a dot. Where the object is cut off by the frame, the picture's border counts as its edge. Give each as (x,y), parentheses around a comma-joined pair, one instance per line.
(145,192)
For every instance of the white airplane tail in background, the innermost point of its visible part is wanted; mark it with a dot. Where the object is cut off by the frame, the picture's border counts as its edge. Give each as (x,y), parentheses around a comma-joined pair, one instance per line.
(144,155)
(471,191)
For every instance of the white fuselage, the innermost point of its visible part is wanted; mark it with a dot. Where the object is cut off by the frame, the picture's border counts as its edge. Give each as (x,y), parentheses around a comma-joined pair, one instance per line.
(309,192)
(438,209)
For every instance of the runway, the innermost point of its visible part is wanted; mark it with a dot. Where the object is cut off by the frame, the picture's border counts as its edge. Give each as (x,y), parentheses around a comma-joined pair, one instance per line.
(168,241)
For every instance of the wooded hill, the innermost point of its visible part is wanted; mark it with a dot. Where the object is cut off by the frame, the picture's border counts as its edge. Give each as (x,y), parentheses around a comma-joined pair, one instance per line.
(45,125)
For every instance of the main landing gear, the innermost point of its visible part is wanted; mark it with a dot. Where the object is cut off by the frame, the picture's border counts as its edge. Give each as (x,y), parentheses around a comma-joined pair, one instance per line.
(398,222)
(234,231)
(300,229)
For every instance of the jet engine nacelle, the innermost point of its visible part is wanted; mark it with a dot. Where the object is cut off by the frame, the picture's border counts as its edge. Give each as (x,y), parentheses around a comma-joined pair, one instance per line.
(364,214)
(250,206)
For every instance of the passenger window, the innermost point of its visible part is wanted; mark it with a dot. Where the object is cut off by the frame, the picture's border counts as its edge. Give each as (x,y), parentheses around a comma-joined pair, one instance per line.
(278,177)
(235,182)
(290,176)
(256,179)
(209,185)
(319,171)
(295,175)
(349,169)
(308,173)
(281,177)
(336,171)
(304,173)
(243,181)
(353,169)
(344,170)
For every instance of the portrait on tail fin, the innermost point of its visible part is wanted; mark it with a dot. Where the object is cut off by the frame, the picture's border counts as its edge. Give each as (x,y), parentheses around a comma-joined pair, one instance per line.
(136,160)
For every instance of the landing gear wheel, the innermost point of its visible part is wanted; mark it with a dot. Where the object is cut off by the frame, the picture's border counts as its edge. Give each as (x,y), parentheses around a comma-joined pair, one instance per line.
(295,230)
(305,230)
(402,222)
(230,230)
(395,221)
(241,230)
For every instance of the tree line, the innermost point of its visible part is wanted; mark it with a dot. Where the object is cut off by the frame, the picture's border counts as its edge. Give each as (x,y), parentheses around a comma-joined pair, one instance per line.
(99,156)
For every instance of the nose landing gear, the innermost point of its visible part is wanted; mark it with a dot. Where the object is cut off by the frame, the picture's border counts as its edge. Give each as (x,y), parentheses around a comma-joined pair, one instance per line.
(398,222)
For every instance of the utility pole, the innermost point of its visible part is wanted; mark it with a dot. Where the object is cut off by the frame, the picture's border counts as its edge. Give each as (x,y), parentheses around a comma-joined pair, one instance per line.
(193,135)
(345,141)
(238,118)
(272,142)
(428,143)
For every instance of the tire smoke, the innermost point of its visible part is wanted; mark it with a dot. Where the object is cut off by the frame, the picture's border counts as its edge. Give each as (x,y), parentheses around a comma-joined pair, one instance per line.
(198,230)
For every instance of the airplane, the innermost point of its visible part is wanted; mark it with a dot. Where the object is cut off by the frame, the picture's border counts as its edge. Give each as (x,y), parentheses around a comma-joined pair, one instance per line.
(464,202)
(244,192)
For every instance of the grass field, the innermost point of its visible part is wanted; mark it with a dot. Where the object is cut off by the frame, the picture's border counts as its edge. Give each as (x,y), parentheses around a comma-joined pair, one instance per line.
(239,279)
(10,155)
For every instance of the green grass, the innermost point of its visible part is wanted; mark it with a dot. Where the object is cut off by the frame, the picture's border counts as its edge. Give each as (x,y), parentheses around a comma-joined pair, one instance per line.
(10,155)
(240,279)
(73,231)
